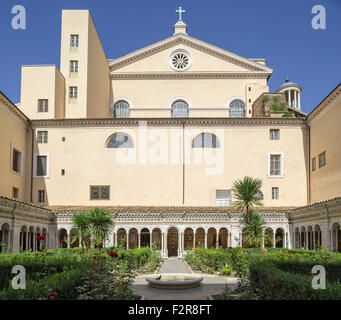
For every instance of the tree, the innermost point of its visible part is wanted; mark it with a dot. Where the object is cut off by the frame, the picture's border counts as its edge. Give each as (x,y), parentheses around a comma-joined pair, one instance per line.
(81,223)
(246,191)
(100,221)
(253,232)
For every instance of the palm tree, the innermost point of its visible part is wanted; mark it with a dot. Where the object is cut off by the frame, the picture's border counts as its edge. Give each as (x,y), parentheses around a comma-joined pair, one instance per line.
(253,232)
(246,191)
(81,223)
(100,221)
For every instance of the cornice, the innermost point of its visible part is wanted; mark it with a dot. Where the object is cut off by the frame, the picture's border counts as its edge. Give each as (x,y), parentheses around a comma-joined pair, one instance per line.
(191,42)
(168,121)
(189,75)
(14,109)
(323,104)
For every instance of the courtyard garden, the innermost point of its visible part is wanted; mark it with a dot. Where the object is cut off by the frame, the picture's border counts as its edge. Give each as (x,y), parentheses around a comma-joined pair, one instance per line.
(273,273)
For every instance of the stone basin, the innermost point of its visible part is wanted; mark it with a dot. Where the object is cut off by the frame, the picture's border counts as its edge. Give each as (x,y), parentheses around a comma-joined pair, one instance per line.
(174,281)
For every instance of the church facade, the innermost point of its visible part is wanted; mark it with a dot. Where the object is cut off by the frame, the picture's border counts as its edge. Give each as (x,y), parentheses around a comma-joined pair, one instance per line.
(157,137)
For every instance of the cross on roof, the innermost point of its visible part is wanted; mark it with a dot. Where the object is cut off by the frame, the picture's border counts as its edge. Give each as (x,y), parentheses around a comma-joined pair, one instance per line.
(180,11)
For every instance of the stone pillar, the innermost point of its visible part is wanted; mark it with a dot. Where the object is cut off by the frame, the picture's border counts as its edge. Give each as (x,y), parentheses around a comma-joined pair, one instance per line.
(263,244)
(138,239)
(274,238)
(299,100)
(69,239)
(284,239)
(127,239)
(116,239)
(26,236)
(295,98)
(289,98)
(205,239)
(165,245)
(180,244)
(336,240)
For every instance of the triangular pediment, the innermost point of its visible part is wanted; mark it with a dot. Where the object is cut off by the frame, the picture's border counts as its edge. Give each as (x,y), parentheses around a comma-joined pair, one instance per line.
(206,58)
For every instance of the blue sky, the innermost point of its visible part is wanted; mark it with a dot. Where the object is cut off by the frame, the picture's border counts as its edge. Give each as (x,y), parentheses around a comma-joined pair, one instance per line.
(277,30)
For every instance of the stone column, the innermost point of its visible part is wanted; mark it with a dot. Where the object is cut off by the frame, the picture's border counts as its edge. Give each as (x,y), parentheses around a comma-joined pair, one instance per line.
(336,240)
(138,239)
(274,238)
(306,239)
(69,239)
(26,236)
(263,245)
(205,239)
(284,239)
(127,239)
(295,98)
(289,98)
(116,239)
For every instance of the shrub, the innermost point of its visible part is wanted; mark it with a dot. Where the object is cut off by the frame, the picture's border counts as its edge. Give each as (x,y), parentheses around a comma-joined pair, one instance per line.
(270,282)
(63,284)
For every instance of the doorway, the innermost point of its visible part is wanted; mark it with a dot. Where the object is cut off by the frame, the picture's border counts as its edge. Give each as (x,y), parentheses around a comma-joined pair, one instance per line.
(172,242)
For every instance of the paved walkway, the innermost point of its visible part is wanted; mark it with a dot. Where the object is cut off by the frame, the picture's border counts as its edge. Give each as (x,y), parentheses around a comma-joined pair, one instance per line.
(210,285)
(173,265)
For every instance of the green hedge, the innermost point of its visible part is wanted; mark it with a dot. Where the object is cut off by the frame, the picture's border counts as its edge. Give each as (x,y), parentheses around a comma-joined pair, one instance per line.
(135,258)
(38,265)
(333,269)
(268,281)
(63,284)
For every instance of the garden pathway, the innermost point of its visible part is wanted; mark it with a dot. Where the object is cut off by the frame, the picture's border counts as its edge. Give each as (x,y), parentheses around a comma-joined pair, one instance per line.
(211,284)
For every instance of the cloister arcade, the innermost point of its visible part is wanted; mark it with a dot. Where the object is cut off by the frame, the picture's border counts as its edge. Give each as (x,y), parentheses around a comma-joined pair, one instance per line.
(311,237)
(173,240)
(27,238)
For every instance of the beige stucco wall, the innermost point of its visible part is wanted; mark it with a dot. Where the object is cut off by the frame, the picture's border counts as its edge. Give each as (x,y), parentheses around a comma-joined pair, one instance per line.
(325,133)
(98,89)
(92,79)
(245,152)
(42,82)
(207,94)
(16,132)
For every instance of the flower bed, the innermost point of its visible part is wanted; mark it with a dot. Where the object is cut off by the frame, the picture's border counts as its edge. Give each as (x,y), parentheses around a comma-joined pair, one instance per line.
(76,273)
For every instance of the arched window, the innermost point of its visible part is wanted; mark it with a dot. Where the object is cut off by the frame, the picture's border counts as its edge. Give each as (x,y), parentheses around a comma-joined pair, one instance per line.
(179,109)
(237,109)
(120,140)
(121,109)
(205,140)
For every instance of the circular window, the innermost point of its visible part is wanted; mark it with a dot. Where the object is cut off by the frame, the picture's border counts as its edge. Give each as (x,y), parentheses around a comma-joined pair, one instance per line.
(180,60)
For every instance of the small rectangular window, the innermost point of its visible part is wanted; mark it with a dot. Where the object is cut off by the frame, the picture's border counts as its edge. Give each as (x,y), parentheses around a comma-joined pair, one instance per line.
(63,139)
(62,172)
(313,164)
(41,166)
(41,196)
(42,136)
(16,160)
(322,159)
(74,39)
(43,105)
(223,198)
(249,88)
(99,192)
(275,193)
(73,66)
(15,193)
(73,93)
(274,134)
(275,165)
